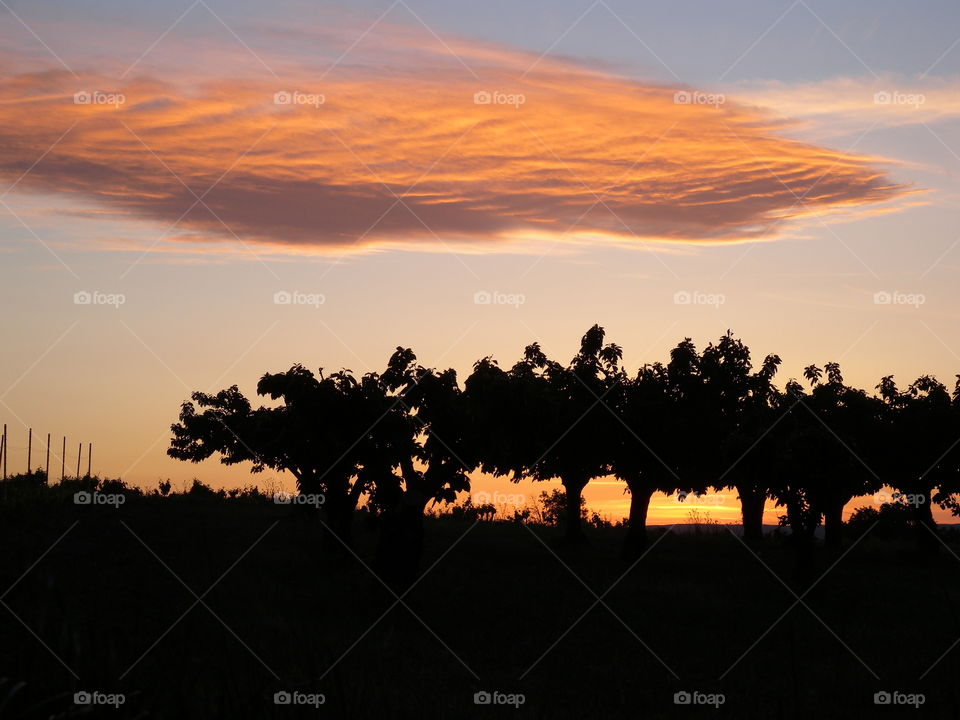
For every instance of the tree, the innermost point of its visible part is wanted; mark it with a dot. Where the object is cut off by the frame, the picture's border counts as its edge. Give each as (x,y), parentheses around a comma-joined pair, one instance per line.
(581,426)
(544,420)
(316,434)
(418,455)
(837,426)
(554,507)
(921,457)
(650,443)
(738,409)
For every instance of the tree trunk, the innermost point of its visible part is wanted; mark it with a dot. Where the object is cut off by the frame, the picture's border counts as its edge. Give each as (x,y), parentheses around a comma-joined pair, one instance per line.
(926,525)
(833,524)
(751,510)
(339,519)
(573,489)
(400,546)
(636,540)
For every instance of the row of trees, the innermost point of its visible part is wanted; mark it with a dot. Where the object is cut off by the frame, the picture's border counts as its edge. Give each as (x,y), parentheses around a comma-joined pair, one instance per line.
(704,420)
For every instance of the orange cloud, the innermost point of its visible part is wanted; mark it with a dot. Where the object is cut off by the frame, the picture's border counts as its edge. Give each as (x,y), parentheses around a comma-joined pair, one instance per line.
(417,153)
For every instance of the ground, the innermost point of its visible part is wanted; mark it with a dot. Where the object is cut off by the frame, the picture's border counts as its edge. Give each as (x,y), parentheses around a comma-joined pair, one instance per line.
(201,609)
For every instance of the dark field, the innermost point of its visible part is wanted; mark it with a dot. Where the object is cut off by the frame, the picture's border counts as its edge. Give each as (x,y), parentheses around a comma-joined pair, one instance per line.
(115,601)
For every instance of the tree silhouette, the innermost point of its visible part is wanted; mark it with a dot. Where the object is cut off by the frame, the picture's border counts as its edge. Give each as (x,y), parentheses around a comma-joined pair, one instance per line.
(409,436)
(428,441)
(921,429)
(544,420)
(650,443)
(739,410)
(582,422)
(315,434)
(844,423)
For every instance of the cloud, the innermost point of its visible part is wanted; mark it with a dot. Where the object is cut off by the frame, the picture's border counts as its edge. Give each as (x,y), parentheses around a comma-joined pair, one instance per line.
(854,104)
(399,149)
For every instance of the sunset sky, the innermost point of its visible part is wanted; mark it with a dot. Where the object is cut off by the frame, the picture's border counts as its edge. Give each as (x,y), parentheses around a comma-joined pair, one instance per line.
(236,187)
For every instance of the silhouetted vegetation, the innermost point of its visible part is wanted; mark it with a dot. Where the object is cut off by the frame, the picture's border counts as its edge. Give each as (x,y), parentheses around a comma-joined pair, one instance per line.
(706,420)
(380,459)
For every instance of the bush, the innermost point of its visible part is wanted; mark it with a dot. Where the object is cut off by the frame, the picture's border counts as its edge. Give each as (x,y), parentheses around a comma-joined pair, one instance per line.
(554,506)
(893,521)
(201,491)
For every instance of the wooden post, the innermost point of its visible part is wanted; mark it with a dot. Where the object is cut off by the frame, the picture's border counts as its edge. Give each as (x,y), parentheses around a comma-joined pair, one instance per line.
(89,455)
(79,450)
(29,447)
(6,450)
(46,471)
(63,460)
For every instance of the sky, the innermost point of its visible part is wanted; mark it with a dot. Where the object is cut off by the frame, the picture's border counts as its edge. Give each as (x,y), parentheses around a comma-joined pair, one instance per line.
(194,193)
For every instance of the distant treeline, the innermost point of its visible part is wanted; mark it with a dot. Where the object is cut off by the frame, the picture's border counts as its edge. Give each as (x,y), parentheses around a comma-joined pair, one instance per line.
(703,420)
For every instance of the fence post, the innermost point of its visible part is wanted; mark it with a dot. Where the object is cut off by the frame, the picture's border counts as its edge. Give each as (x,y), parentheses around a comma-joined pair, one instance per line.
(29,447)
(79,450)
(46,470)
(89,456)
(63,460)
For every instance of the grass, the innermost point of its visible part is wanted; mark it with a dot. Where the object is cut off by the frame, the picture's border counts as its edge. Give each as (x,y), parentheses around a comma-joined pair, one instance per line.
(116,601)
